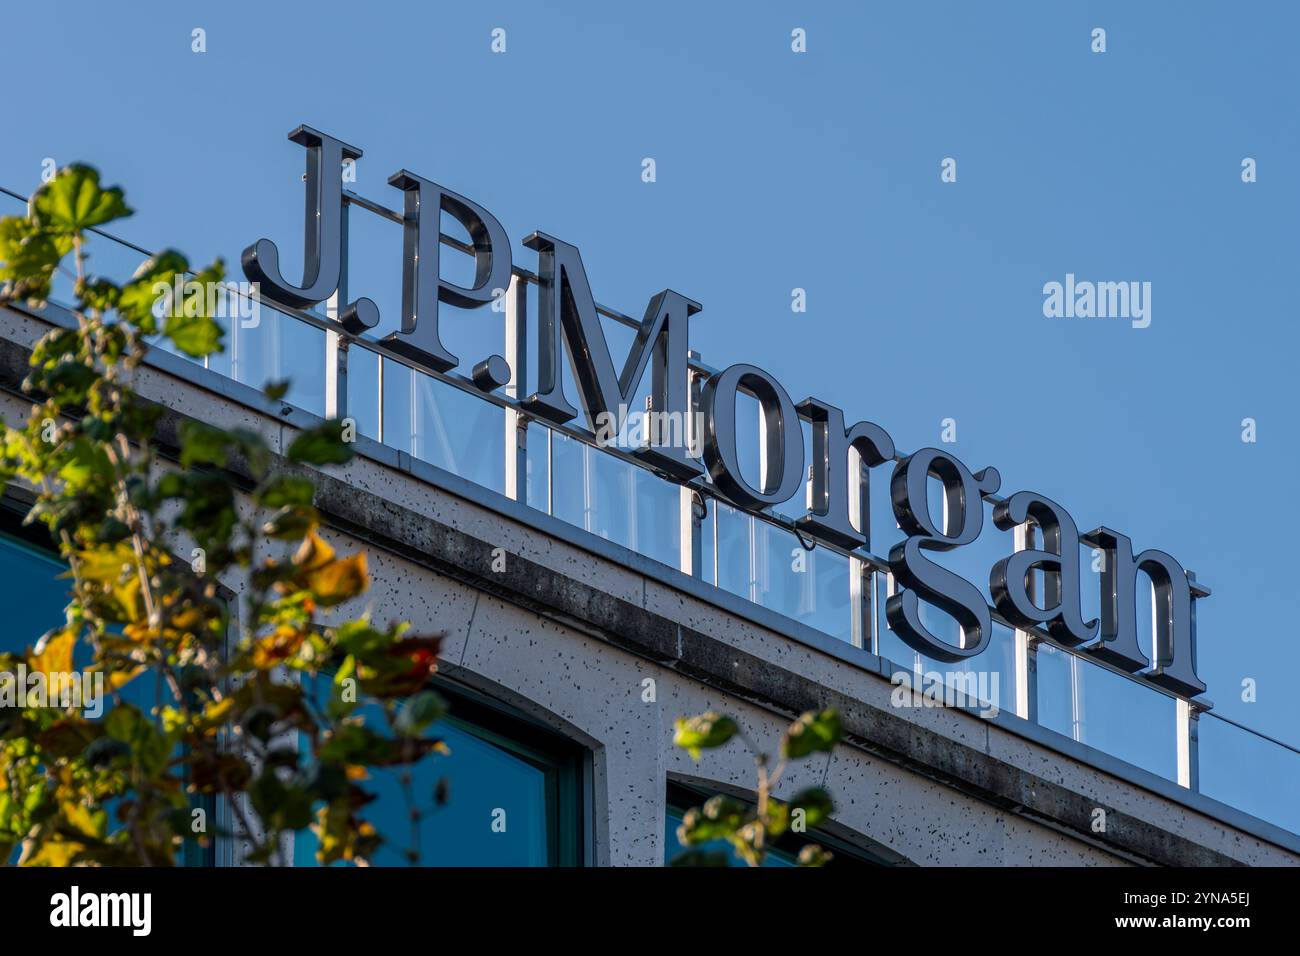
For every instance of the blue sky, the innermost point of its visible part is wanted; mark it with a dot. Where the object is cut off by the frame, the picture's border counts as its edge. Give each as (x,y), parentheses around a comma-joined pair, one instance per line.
(819,171)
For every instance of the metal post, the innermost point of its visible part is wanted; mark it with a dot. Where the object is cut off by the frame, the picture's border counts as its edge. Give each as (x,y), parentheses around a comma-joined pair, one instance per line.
(336,345)
(381,364)
(516,484)
(862,607)
(691,506)
(1188,716)
(1189,759)
(1026,650)
(550,471)
(691,513)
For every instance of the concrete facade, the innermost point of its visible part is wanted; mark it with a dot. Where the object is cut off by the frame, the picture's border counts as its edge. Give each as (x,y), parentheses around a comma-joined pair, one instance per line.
(571,629)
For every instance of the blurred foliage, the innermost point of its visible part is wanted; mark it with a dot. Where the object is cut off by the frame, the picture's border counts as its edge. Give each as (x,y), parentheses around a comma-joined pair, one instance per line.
(750,830)
(257,699)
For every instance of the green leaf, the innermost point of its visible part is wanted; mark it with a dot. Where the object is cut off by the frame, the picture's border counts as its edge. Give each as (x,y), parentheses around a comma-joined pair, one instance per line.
(195,335)
(267,794)
(286,490)
(701,732)
(74,201)
(85,465)
(202,444)
(814,855)
(68,382)
(54,346)
(718,819)
(28,253)
(322,445)
(816,804)
(778,817)
(811,732)
(98,295)
(418,713)
(149,747)
(254,449)
(142,299)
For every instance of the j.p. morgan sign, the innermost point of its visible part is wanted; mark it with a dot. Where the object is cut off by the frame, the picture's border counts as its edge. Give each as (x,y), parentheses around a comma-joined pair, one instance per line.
(568,323)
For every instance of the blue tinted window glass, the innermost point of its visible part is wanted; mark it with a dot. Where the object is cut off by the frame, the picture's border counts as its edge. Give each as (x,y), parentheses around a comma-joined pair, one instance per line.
(35,594)
(499,811)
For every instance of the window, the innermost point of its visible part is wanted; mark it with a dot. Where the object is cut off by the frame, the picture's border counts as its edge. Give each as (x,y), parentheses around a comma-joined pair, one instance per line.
(515,793)
(38,593)
(784,852)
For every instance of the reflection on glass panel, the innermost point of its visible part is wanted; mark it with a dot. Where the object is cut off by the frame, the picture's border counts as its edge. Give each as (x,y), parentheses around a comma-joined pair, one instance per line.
(458,432)
(1097,707)
(303,363)
(708,532)
(1250,772)
(255,350)
(363,390)
(569,480)
(272,347)
(613,498)
(735,570)
(539,467)
(988,679)
(657,517)
(395,394)
(769,566)
(608,484)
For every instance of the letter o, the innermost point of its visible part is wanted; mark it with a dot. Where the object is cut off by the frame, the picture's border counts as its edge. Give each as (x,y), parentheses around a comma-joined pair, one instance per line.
(782,435)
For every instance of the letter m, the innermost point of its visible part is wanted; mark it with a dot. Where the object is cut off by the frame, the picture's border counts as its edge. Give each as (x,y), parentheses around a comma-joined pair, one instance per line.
(569,322)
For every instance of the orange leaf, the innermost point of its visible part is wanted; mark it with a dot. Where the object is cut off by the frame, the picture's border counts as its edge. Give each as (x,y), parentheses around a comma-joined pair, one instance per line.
(313,553)
(337,581)
(277,647)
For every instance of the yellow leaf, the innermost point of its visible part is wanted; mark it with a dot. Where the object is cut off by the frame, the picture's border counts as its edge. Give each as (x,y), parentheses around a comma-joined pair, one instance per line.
(53,852)
(314,553)
(119,679)
(215,714)
(339,580)
(53,653)
(104,565)
(82,820)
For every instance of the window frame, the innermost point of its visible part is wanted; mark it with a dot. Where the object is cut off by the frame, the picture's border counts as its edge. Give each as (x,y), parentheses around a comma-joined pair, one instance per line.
(565,763)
